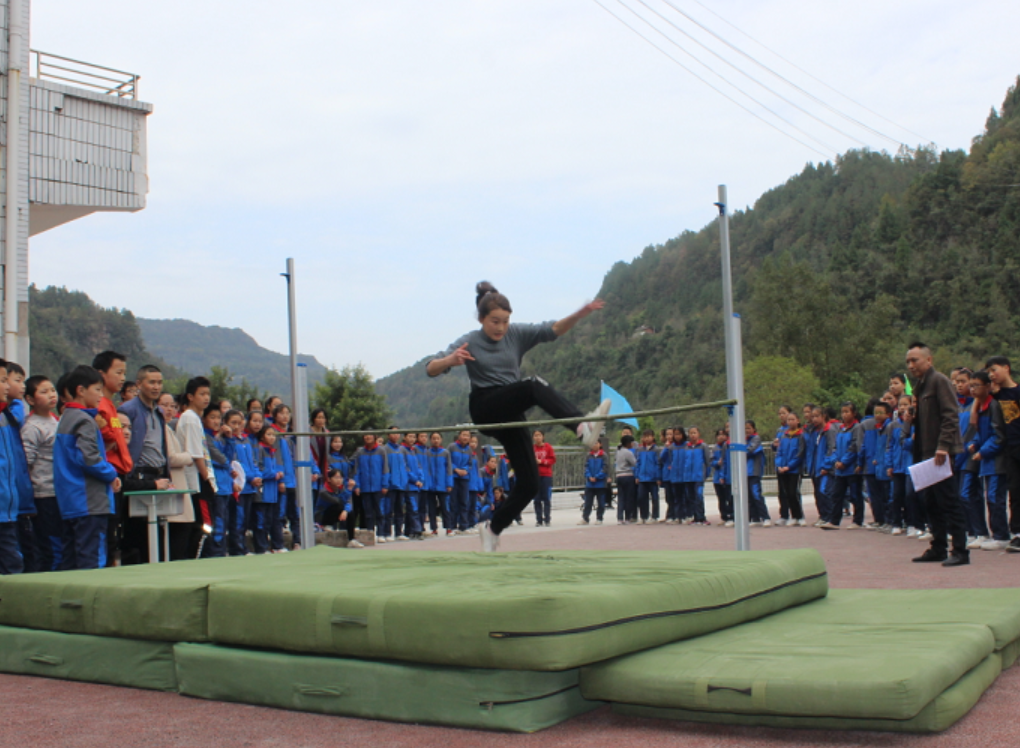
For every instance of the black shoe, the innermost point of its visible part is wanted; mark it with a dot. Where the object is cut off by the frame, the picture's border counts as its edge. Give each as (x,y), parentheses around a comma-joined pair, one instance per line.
(957,559)
(1014,545)
(930,557)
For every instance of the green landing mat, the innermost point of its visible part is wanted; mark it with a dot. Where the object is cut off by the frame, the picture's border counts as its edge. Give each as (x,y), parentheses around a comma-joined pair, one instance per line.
(511,700)
(553,610)
(907,660)
(945,710)
(95,659)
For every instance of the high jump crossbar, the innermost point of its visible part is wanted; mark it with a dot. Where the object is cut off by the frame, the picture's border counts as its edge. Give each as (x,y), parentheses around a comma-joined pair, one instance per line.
(535,424)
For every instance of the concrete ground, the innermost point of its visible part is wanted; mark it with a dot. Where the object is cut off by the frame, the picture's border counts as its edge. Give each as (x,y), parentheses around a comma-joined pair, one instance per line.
(42,713)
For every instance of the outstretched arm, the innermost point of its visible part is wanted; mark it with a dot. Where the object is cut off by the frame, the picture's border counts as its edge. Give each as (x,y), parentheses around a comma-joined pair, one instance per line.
(459,357)
(566,324)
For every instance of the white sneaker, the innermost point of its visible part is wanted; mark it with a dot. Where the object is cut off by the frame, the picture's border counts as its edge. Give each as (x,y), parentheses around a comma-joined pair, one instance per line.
(598,522)
(490,540)
(994,545)
(728,523)
(767,523)
(754,524)
(380,539)
(781,523)
(589,431)
(818,523)
(355,544)
(976,543)
(402,537)
(896,531)
(913,532)
(925,536)
(582,523)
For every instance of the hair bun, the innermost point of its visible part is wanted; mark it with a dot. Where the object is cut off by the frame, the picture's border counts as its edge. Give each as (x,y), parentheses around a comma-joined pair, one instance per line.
(482,288)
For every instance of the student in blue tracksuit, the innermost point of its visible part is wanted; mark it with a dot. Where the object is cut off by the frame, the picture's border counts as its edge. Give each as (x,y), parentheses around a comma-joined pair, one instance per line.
(721,476)
(371,473)
(438,484)
(876,466)
(84,480)
(849,445)
(391,506)
(784,414)
(415,489)
(221,454)
(460,456)
(337,460)
(758,511)
(11,559)
(267,534)
(239,515)
(333,505)
(596,469)
(288,513)
(476,483)
(987,449)
(699,463)
(789,464)
(864,468)
(646,474)
(823,462)
(678,473)
(905,506)
(665,461)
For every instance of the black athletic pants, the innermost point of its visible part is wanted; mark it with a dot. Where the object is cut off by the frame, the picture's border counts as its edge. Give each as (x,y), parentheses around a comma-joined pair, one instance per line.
(1012,455)
(511,403)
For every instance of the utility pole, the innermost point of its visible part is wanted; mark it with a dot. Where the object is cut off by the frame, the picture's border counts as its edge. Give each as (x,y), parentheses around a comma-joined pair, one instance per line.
(299,397)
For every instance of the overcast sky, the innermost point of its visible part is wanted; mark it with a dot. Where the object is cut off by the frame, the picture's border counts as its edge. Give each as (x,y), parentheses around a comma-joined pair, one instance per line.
(401,151)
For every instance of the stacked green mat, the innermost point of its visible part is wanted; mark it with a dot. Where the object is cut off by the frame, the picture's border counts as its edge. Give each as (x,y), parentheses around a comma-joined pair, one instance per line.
(520,641)
(898,660)
(492,641)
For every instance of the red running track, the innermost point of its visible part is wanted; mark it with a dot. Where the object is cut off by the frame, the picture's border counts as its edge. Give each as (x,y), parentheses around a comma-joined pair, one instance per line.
(42,713)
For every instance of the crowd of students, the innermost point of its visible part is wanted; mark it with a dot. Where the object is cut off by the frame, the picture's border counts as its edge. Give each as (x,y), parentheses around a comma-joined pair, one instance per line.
(850,460)
(70,450)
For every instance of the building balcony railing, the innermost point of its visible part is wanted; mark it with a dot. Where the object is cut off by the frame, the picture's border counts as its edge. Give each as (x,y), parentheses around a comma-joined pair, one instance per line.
(111,81)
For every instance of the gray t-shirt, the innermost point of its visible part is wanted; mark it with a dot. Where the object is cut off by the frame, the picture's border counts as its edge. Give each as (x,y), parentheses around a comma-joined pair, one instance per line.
(498,362)
(626,461)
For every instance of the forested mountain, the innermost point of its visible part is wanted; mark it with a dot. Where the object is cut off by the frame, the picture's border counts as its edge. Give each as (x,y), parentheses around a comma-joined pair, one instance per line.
(67,328)
(834,272)
(197,348)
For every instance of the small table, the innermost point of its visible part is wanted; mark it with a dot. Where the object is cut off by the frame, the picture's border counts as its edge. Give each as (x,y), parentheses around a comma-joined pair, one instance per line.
(156,505)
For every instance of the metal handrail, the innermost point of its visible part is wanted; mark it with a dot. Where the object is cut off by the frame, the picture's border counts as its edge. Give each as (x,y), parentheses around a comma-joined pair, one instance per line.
(85,74)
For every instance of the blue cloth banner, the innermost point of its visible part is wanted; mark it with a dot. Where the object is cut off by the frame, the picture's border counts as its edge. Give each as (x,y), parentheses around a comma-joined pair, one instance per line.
(619,405)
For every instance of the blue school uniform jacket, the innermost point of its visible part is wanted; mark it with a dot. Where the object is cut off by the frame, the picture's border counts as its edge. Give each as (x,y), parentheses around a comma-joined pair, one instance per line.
(271,465)
(439,470)
(647,468)
(721,463)
(878,455)
(791,451)
(868,445)
(17,489)
(678,465)
(666,461)
(221,470)
(245,456)
(396,457)
(476,483)
(371,470)
(415,459)
(900,448)
(461,459)
(285,448)
(808,434)
(504,475)
(824,456)
(699,463)
(849,440)
(81,473)
(755,457)
(989,439)
(596,467)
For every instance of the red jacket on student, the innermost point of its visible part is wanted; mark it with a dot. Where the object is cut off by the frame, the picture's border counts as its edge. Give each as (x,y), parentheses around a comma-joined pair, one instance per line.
(546,456)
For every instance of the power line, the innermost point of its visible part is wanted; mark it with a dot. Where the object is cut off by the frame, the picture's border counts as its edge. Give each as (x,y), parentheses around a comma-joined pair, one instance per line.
(717,90)
(723,78)
(749,76)
(809,75)
(781,77)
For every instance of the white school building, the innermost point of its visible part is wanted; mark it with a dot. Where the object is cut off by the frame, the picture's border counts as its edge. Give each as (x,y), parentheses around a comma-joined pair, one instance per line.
(72,142)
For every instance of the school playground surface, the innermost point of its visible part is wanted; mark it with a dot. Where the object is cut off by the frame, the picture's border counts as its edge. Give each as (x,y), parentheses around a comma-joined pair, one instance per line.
(43,713)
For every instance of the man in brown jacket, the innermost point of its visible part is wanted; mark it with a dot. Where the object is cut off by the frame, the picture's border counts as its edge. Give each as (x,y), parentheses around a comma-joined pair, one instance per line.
(937,434)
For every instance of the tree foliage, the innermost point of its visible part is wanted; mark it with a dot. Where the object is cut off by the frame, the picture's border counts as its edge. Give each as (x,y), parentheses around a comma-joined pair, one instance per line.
(350,400)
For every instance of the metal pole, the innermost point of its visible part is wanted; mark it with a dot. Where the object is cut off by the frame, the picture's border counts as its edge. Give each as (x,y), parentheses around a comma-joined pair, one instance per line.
(12,218)
(734,385)
(299,397)
(303,473)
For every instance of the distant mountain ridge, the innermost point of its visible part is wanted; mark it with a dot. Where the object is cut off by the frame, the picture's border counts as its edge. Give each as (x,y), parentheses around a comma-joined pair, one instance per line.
(196,348)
